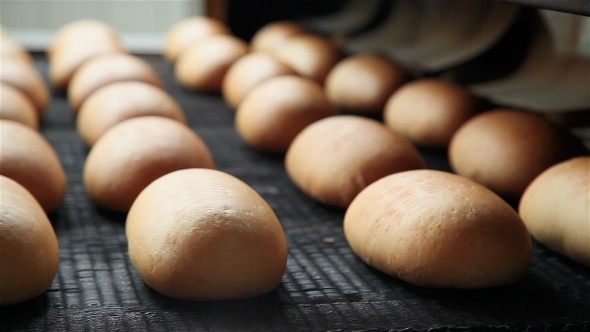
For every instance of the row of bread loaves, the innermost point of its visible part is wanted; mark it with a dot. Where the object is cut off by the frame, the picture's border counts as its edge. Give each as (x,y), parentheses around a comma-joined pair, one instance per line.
(140,144)
(429,113)
(25,96)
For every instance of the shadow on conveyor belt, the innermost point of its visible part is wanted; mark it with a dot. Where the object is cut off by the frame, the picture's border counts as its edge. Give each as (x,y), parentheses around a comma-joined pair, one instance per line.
(535,295)
(112,216)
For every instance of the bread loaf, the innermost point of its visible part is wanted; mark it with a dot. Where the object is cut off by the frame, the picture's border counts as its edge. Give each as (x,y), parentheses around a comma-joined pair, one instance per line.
(437,229)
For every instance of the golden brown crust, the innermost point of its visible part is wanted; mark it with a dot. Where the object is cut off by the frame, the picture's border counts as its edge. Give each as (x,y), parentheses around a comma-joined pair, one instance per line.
(333,159)
(311,56)
(29,252)
(277,110)
(273,35)
(189,31)
(555,208)
(30,160)
(10,48)
(134,153)
(75,31)
(438,229)
(76,43)
(506,149)
(363,82)
(120,101)
(106,69)
(203,234)
(249,71)
(430,111)
(22,76)
(203,65)
(15,106)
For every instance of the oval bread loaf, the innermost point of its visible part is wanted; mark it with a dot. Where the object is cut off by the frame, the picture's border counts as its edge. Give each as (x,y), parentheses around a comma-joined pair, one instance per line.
(29,251)
(135,152)
(204,234)
(29,159)
(335,158)
(438,229)
(556,208)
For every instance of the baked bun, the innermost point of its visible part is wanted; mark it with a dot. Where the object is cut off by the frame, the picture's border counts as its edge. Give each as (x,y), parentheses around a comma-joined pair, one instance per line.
(10,48)
(277,110)
(205,235)
(120,101)
(15,106)
(311,56)
(430,111)
(555,208)
(363,82)
(189,31)
(22,76)
(76,43)
(506,149)
(78,30)
(437,229)
(249,71)
(272,35)
(105,69)
(29,252)
(135,152)
(30,160)
(203,65)
(335,158)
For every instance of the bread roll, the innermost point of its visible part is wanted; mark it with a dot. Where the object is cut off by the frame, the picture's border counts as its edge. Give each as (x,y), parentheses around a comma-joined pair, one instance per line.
(10,48)
(30,160)
(78,30)
(273,35)
(77,42)
(205,235)
(29,252)
(363,82)
(203,65)
(277,110)
(15,106)
(22,76)
(135,152)
(249,71)
(335,158)
(555,208)
(189,31)
(309,55)
(437,229)
(506,149)
(105,69)
(120,101)
(429,111)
